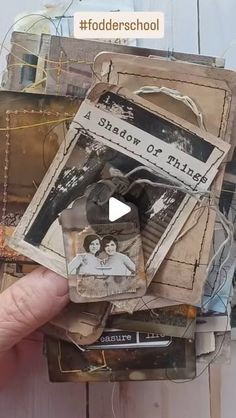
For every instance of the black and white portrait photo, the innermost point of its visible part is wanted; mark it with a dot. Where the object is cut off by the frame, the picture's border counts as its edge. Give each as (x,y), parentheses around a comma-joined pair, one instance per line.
(104,261)
(101,258)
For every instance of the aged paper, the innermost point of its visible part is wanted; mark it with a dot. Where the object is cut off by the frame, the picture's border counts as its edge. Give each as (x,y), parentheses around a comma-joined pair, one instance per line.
(68,364)
(33,128)
(207,88)
(30,231)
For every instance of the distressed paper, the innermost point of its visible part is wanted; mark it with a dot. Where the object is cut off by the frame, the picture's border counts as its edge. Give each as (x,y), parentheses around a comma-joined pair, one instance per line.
(33,128)
(67,364)
(178,321)
(159,220)
(207,87)
(185,158)
(63,66)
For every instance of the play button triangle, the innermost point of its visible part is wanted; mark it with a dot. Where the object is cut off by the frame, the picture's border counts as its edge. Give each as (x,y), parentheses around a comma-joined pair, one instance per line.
(117,209)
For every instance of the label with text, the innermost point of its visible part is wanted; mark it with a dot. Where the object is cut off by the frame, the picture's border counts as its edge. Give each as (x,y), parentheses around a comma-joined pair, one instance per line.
(163,152)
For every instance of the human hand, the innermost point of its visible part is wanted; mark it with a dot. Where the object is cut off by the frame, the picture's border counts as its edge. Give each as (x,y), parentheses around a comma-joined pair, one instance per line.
(24,307)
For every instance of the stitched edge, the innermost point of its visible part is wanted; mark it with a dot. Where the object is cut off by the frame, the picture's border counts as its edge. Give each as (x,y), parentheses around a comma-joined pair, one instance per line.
(220,129)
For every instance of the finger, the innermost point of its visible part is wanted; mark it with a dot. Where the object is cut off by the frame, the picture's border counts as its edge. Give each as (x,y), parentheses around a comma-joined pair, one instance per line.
(30,303)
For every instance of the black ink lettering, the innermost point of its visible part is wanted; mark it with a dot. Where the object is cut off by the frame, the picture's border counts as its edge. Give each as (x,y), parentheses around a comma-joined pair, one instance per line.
(123,133)
(190,172)
(150,148)
(87,116)
(108,126)
(157,151)
(102,122)
(136,141)
(115,130)
(177,163)
(196,177)
(184,168)
(170,159)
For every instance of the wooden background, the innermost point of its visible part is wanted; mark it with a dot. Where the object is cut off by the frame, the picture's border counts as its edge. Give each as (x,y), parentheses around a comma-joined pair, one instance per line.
(193,26)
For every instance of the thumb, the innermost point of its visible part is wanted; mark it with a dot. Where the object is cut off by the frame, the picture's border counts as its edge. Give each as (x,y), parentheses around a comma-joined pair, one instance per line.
(30,303)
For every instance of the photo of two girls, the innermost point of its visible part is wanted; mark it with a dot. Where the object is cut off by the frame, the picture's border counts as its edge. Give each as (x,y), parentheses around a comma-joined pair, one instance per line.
(101,258)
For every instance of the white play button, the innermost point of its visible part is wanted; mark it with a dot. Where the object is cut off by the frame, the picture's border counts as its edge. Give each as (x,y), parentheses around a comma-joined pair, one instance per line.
(117,209)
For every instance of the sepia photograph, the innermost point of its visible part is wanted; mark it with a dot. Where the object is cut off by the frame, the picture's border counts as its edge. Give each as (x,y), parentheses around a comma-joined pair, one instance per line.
(81,162)
(101,258)
(104,261)
(173,359)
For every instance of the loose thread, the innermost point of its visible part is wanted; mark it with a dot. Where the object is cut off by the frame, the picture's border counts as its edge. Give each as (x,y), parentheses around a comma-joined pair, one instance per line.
(176,95)
(68,61)
(74,342)
(65,11)
(36,124)
(20,19)
(25,63)
(227,225)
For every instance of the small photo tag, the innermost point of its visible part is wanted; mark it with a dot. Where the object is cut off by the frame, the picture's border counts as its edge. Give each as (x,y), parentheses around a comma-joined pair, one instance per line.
(104,261)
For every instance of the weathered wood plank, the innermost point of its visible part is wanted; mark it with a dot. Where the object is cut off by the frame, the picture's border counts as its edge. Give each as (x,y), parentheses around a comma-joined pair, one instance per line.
(228,373)
(30,395)
(151,399)
(215,390)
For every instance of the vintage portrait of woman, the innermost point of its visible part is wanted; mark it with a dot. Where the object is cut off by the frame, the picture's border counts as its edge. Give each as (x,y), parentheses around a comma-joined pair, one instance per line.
(88,262)
(102,258)
(119,264)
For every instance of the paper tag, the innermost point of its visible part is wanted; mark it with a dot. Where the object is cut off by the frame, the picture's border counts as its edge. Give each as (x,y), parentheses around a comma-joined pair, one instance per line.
(179,154)
(104,258)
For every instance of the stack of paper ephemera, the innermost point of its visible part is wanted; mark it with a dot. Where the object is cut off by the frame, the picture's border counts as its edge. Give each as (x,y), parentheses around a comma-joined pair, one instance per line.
(129,194)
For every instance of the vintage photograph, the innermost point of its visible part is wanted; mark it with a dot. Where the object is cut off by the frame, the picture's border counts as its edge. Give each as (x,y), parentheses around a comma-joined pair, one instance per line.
(37,145)
(119,338)
(82,161)
(174,321)
(104,261)
(182,274)
(101,258)
(173,359)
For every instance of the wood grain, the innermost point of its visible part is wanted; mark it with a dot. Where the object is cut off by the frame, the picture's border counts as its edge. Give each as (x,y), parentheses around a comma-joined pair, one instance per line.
(215,390)
(151,399)
(30,395)
(228,373)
